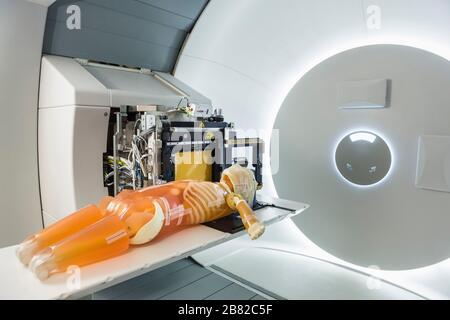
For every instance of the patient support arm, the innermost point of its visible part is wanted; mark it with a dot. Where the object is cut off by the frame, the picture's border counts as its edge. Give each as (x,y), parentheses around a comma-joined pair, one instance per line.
(99,232)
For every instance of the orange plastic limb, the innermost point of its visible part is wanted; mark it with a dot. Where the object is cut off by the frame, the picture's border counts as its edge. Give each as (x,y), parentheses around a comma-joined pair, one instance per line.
(58,231)
(102,240)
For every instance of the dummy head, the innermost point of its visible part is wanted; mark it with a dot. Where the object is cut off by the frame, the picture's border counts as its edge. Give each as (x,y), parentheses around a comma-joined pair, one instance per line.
(240,180)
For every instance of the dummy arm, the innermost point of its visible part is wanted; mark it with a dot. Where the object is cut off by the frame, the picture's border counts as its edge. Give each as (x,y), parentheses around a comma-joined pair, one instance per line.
(254,228)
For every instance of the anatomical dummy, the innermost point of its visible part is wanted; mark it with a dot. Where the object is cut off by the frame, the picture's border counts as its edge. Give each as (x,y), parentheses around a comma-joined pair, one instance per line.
(99,232)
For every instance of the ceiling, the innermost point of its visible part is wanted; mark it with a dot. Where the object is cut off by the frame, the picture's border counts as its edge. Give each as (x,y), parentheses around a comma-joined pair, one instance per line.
(136,33)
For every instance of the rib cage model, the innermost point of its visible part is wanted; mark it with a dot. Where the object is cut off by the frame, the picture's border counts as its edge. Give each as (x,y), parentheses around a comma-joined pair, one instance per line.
(96,233)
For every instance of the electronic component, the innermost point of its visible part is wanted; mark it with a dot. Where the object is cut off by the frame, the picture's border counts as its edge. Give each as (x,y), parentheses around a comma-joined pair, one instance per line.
(151,145)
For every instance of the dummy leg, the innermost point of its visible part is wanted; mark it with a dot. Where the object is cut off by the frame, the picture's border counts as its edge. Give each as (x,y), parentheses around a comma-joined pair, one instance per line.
(102,240)
(58,231)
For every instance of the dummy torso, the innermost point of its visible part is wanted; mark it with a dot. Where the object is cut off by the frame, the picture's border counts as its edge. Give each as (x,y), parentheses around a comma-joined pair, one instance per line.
(96,233)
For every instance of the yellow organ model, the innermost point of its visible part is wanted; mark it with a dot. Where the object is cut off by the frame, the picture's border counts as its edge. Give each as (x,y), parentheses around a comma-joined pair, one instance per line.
(96,233)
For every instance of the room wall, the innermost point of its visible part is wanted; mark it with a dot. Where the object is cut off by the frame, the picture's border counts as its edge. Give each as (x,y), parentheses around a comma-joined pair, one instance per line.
(21,33)
(247,55)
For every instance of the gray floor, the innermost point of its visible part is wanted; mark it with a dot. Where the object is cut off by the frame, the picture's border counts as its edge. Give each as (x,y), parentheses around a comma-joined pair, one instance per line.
(182,280)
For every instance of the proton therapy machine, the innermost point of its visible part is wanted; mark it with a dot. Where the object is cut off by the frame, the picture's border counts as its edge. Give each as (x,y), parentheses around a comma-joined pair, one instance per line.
(107,130)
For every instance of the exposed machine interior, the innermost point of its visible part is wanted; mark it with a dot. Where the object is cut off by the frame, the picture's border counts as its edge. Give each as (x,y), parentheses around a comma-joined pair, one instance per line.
(152,145)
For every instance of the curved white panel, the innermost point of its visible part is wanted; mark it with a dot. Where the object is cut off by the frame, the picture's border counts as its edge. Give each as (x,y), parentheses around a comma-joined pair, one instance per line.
(64,82)
(294,276)
(72,140)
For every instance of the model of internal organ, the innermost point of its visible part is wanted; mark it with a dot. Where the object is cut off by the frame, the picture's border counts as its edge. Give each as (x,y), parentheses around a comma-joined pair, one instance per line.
(96,233)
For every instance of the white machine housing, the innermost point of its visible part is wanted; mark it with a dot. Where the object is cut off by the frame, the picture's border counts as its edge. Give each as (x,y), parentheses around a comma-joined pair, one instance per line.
(75,102)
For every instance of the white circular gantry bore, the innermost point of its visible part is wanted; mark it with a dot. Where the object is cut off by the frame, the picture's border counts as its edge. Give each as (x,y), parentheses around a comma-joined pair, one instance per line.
(357,166)
(276,64)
